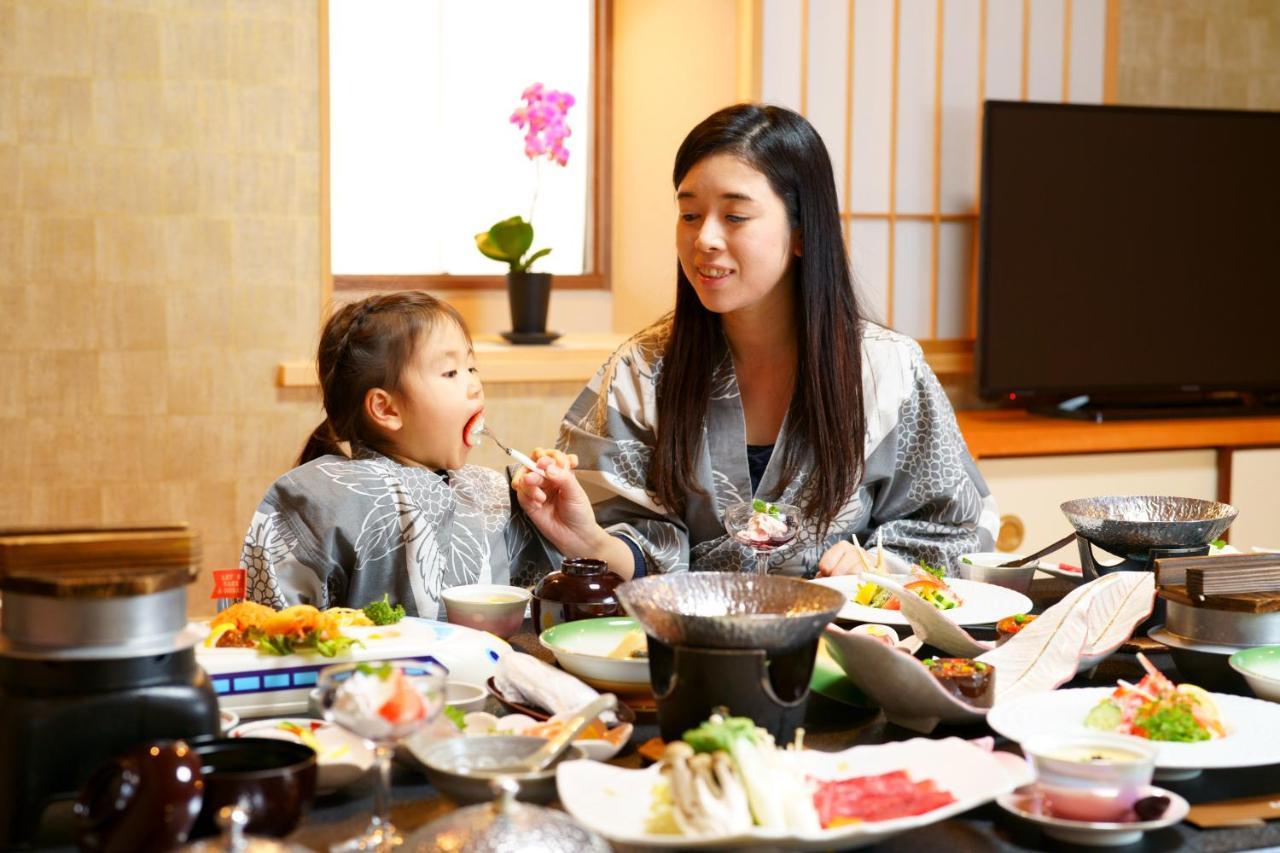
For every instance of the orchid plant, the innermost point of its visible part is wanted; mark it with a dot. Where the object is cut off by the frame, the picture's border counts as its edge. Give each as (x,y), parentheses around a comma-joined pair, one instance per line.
(542,117)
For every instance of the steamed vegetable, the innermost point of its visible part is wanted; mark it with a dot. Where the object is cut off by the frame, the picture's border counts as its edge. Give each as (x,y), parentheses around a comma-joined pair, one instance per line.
(382,612)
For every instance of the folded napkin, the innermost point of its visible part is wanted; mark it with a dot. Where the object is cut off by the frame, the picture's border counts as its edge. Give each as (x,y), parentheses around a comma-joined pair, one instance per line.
(525,679)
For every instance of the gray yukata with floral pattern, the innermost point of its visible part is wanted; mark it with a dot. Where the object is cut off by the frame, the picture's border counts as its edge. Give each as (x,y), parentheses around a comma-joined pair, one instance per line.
(920,491)
(341,532)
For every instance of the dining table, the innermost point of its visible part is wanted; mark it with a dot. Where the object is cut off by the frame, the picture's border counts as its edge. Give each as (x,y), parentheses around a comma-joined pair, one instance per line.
(836,725)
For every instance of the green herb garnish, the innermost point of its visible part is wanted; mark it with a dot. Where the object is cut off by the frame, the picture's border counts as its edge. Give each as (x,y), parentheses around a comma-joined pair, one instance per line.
(966,561)
(758,505)
(454,714)
(382,670)
(382,612)
(1218,543)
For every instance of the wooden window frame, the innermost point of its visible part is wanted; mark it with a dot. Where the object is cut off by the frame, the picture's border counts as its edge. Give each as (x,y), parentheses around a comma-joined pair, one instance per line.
(598,180)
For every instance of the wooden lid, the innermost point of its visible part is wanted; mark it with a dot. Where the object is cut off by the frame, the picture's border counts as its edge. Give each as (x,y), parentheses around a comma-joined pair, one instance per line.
(98,562)
(1240,602)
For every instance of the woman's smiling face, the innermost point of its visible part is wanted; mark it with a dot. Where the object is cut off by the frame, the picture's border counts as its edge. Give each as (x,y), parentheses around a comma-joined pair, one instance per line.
(733,237)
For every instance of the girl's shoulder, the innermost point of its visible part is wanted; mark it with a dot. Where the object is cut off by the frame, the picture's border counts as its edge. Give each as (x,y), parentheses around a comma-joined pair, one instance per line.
(643,351)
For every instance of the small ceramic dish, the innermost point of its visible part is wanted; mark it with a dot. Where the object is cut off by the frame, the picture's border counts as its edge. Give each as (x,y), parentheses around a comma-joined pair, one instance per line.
(496,608)
(341,757)
(1027,804)
(465,697)
(462,767)
(1260,667)
(625,713)
(1092,776)
(984,567)
(609,653)
(597,748)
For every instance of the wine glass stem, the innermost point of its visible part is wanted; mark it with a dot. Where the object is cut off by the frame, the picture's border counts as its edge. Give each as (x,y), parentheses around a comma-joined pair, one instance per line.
(382,795)
(762,562)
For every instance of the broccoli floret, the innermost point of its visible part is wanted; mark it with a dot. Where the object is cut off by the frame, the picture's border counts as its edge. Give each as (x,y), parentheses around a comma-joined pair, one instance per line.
(382,613)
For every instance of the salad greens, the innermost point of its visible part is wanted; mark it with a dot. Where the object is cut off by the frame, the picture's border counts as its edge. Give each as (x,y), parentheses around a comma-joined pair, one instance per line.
(287,644)
(937,571)
(382,612)
(1167,720)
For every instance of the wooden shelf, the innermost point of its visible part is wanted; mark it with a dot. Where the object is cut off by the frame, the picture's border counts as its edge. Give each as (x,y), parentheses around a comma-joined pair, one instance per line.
(1004,433)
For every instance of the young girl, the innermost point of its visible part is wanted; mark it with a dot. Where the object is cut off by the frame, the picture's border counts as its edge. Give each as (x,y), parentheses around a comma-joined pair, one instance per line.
(767,381)
(397,510)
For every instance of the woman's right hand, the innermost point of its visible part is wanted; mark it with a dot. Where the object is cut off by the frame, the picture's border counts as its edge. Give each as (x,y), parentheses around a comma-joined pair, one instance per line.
(556,503)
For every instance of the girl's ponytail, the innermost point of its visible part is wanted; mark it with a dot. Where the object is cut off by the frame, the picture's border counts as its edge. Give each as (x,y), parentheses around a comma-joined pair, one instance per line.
(323,441)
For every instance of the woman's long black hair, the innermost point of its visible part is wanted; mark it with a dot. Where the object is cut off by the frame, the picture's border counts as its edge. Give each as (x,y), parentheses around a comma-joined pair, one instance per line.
(826,423)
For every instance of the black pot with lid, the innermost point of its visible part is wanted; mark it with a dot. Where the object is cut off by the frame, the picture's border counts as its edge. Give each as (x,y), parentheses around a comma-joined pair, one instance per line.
(95,656)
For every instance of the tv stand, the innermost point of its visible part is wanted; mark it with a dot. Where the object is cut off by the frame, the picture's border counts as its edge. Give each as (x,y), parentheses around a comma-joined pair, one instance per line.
(1086,409)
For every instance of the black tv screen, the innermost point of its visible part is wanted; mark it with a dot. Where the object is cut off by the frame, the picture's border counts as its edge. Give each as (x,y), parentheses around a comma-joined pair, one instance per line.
(1128,251)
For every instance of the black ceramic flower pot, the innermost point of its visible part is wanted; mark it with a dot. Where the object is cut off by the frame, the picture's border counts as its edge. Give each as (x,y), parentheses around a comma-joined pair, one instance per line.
(529,293)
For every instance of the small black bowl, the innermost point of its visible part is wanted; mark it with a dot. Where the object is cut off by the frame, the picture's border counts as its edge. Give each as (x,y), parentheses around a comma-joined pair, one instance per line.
(276,778)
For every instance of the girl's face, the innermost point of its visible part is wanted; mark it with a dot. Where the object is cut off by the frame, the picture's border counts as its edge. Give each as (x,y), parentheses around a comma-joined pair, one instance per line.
(439,393)
(733,238)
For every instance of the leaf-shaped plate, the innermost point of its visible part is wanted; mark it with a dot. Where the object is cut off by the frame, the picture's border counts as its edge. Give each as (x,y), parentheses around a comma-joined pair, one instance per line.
(909,694)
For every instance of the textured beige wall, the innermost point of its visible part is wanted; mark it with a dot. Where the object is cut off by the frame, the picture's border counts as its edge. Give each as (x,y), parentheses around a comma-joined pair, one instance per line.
(1199,53)
(159,173)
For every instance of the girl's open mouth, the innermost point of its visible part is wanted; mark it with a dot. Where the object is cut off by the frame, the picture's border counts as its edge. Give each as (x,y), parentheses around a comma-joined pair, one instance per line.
(471,432)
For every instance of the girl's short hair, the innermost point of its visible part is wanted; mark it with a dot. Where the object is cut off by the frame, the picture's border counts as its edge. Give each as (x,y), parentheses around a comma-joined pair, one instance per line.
(366,345)
(825,423)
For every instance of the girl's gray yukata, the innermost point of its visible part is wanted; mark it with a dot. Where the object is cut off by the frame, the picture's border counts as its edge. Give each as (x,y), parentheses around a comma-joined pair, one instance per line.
(921,490)
(341,532)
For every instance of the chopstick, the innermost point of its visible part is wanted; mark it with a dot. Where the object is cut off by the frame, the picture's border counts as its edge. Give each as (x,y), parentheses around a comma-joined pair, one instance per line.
(1043,552)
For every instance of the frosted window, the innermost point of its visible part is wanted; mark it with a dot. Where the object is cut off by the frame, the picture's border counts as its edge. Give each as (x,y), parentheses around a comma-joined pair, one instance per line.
(422,155)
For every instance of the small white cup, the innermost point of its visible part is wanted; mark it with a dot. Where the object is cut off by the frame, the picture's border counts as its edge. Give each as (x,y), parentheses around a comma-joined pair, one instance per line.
(1077,786)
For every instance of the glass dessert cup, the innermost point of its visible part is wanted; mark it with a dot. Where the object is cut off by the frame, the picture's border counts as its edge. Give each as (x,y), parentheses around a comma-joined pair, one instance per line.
(383,703)
(762,527)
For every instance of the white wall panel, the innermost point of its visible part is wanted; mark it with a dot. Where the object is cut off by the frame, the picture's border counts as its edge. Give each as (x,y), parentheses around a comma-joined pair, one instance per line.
(780,53)
(828,82)
(1088,50)
(955,258)
(872,104)
(1044,71)
(912,265)
(961,20)
(1004,50)
(1254,475)
(869,251)
(916,67)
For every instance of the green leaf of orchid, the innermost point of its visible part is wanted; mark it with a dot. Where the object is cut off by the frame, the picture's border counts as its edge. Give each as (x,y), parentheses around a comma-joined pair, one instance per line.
(488,249)
(528,263)
(513,237)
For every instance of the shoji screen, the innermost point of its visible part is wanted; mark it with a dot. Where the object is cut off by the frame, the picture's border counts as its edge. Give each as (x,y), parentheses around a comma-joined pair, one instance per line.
(895,88)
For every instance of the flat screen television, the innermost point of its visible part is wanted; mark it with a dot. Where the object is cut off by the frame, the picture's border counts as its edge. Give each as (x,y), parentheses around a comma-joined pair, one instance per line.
(1128,254)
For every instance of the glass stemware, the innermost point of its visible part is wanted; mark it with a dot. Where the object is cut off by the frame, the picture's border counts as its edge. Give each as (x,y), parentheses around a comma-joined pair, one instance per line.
(762,527)
(382,702)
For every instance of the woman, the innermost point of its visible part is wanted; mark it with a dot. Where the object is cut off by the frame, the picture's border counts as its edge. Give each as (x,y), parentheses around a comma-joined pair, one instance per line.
(767,381)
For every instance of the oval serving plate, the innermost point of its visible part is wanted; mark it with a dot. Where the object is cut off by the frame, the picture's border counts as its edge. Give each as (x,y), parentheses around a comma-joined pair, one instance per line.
(984,603)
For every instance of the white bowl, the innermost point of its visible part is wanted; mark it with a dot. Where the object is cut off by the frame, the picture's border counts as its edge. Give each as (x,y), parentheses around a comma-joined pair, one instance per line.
(1260,667)
(1080,788)
(984,567)
(582,648)
(496,608)
(465,697)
